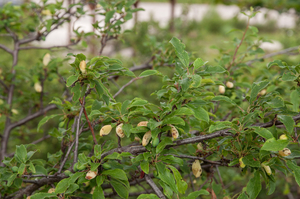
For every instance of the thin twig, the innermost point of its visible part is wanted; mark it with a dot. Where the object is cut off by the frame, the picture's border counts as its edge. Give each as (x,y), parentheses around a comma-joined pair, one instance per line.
(238,46)
(3,84)
(191,180)
(220,177)
(154,186)
(77,134)
(122,88)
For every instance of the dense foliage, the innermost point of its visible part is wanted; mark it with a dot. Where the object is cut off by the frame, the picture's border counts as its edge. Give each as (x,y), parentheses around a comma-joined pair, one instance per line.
(207,118)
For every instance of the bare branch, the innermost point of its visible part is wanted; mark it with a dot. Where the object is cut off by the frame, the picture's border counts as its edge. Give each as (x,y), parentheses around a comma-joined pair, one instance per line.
(39,47)
(198,158)
(154,187)
(122,88)
(77,133)
(4,85)
(284,51)
(6,49)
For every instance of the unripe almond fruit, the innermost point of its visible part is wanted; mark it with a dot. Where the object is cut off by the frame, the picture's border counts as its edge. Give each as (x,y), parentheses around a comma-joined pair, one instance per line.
(229,84)
(283,137)
(137,139)
(37,87)
(267,169)
(242,165)
(46,12)
(143,123)
(199,146)
(51,190)
(196,168)
(146,138)
(46,59)
(221,89)
(28,197)
(120,131)
(285,152)
(105,130)
(82,67)
(91,174)
(174,131)
(263,92)
(15,111)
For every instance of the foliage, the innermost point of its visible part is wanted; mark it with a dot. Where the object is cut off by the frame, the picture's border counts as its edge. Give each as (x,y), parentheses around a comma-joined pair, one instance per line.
(193,120)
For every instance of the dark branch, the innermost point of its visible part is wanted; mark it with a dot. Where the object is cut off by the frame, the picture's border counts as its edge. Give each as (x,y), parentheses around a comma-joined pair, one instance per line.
(154,187)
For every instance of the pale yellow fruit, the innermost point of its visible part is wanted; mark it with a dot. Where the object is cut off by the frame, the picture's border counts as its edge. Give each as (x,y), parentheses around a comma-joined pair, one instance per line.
(196,168)
(143,123)
(15,111)
(267,169)
(1,102)
(46,12)
(221,89)
(46,59)
(51,190)
(285,152)
(174,131)
(199,146)
(242,165)
(37,87)
(105,130)
(146,138)
(283,137)
(120,131)
(82,67)
(93,189)
(28,197)
(137,139)
(263,92)
(229,84)
(91,174)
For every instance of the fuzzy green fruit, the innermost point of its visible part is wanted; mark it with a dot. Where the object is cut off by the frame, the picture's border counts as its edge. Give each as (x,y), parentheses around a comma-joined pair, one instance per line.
(155,142)
(67,172)
(15,169)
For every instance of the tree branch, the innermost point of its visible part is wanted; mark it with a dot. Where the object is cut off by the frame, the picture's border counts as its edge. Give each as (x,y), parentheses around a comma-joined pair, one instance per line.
(122,88)
(77,133)
(154,187)
(6,49)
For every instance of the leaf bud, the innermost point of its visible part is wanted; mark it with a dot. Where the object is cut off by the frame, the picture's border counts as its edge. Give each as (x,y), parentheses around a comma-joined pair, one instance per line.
(46,59)
(105,130)
(242,165)
(229,84)
(51,190)
(37,87)
(82,67)
(143,123)
(146,138)
(196,168)
(174,131)
(267,169)
(284,152)
(221,89)
(91,174)
(120,131)
(283,137)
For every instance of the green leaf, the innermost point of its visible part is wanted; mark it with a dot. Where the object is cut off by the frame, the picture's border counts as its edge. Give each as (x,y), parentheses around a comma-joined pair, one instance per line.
(254,185)
(288,77)
(196,80)
(124,107)
(219,126)
(96,105)
(145,166)
(98,88)
(263,132)
(276,62)
(243,196)
(121,190)
(276,102)
(274,145)
(45,119)
(98,193)
(166,176)
(164,142)
(296,170)
(21,153)
(201,114)
(223,98)
(31,167)
(62,186)
(109,15)
(198,63)
(215,69)
(71,80)
(148,196)
(180,52)
(11,179)
(139,102)
(72,187)
(43,195)
(295,96)
(181,184)
(21,169)
(256,88)
(195,194)
(174,120)
(148,73)
(116,173)
(76,90)
(288,122)
(249,160)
